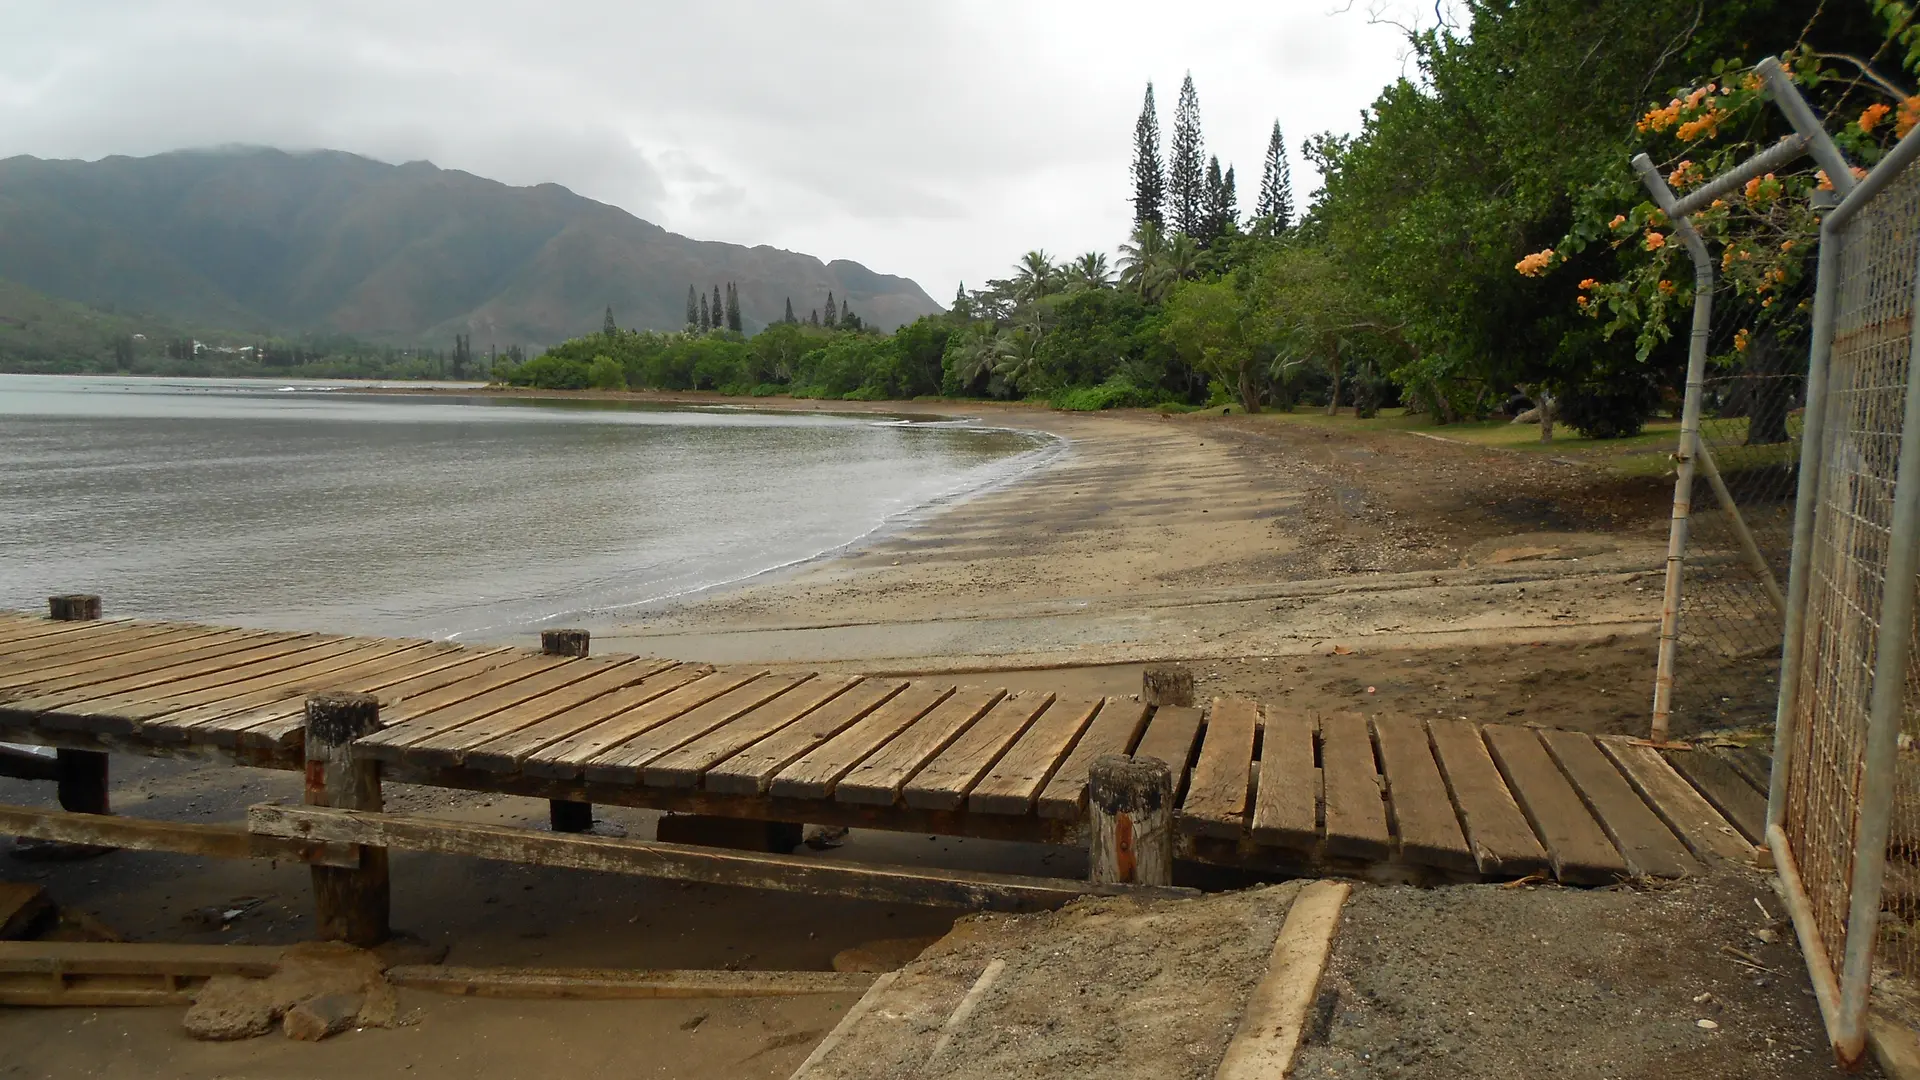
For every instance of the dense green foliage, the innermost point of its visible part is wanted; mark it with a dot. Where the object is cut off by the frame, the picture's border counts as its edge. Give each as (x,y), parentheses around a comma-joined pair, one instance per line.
(1481,232)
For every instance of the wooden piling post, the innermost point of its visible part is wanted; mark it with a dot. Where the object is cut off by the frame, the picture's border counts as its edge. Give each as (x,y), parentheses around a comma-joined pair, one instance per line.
(566,815)
(350,905)
(73,607)
(82,773)
(1167,684)
(1130,827)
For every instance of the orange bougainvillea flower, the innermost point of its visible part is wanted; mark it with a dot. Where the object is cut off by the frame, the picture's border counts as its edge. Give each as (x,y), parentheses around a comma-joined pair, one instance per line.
(1655,241)
(1740,339)
(1872,115)
(1666,286)
(1826,182)
(1535,264)
(1588,283)
(1908,116)
(1581,300)
(1618,220)
(1786,245)
(1683,175)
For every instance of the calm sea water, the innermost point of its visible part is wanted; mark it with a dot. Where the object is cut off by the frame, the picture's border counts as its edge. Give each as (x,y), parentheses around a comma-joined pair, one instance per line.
(307,507)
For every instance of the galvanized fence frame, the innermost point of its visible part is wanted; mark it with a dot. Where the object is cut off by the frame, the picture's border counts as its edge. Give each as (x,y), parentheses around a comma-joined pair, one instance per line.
(1692,455)
(1848,658)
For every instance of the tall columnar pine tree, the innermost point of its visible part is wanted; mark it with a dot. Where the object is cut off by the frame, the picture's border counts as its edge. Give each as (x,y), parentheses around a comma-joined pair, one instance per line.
(693,309)
(1149,176)
(1213,205)
(1275,208)
(719,309)
(607,327)
(814,316)
(847,320)
(790,319)
(833,313)
(1186,165)
(962,303)
(733,308)
(706,316)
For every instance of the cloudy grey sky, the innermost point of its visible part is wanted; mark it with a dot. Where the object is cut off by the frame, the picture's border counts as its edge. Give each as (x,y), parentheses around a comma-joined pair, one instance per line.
(933,139)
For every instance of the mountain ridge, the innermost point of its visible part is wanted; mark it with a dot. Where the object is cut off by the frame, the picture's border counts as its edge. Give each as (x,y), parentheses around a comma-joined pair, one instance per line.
(325,240)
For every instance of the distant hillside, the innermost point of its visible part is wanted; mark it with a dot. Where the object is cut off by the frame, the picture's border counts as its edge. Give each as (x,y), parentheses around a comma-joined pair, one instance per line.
(266,241)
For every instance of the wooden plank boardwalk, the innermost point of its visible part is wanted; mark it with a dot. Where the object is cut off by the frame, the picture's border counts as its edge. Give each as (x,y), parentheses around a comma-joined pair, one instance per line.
(1254,787)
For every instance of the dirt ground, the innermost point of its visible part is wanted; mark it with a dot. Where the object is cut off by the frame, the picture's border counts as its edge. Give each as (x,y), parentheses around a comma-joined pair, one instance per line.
(1313,569)
(1489,981)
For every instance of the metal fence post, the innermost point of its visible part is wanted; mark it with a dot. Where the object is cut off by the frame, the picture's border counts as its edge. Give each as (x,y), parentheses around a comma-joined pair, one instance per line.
(1689,437)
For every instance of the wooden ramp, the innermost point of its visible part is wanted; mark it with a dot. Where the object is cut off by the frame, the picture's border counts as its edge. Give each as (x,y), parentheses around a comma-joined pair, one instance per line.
(1258,788)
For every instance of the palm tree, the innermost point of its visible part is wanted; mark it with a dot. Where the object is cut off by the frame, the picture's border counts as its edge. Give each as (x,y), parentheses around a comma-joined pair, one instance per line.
(1019,353)
(1143,262)
(1181,258)
(1034,276)
(1089,271)
(979,353)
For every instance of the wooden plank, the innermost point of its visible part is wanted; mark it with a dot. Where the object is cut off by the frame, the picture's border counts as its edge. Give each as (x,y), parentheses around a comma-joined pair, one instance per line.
(214,723)
(506,753)
(1703,828)
(567,758)
(171,717)
(869,1002)
(122,640)
(298,684)
(1169,736)
(751,770)
(1218,795)
(1115,728)
(448,749)
(39,627)
(156,653)
(684,767)
(623,763)
(613,984)
(1576,845)
(1729,793)
(183,838)
(1263,1046)
(878,778)
(1644,841)
(1356,812)
(87,706)
(1424,822)
(414,724)
(1503,843)
(946,780)
(928,886)
(235,648)
(814,774)
(27,765)
(272,724)
(137,958)
(1015,781)
(1286,807)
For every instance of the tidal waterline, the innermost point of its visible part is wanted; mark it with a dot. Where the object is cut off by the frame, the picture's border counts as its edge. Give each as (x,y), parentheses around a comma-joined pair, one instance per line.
(313,507)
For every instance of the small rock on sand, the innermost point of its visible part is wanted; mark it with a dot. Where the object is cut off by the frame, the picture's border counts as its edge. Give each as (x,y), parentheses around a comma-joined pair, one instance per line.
(320,1016)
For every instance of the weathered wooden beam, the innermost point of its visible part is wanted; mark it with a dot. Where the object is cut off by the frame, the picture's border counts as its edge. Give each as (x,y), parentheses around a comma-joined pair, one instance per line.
(97,974)
(603,984)
(178,837)
(349,905)
(1130,809)
(678,862)
(1276,1014)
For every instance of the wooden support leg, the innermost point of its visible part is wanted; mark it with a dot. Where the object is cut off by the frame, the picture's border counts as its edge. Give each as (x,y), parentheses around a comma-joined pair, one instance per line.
(1130,834)
(565,815)
(350,905)
(82,777)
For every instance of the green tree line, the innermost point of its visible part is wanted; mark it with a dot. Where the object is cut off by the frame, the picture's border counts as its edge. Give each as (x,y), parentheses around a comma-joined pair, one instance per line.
(1481,232)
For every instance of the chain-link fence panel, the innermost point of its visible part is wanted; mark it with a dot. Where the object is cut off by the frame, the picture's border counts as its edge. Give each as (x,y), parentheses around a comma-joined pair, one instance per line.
(1846,587)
